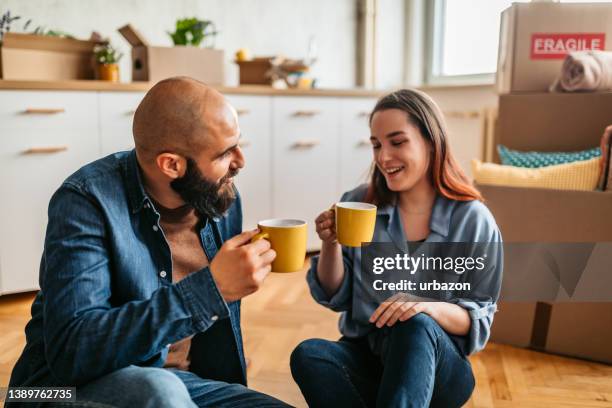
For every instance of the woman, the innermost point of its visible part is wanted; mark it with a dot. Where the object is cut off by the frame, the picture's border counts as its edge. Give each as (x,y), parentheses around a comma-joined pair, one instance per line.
(400,353)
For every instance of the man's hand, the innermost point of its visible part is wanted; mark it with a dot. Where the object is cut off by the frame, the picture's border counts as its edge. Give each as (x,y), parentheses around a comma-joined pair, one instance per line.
(240,266)
(397,307)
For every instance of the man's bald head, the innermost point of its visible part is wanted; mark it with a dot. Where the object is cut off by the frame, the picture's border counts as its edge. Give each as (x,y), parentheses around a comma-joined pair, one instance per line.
(177,115)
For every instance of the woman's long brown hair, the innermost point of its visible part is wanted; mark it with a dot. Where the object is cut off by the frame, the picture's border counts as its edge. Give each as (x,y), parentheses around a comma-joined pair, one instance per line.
(447,176)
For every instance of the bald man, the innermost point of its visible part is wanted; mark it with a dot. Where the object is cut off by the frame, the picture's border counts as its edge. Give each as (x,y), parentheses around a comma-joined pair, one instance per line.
(145,263)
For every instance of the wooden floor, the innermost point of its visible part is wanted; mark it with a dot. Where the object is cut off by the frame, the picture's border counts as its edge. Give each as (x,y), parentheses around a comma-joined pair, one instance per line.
(282,314)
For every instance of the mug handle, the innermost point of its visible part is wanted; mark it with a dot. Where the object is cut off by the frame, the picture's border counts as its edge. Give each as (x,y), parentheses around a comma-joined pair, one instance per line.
(261,235)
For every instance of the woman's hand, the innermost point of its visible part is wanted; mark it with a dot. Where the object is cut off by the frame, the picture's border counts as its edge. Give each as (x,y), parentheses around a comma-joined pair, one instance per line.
(398,307)
(326,226)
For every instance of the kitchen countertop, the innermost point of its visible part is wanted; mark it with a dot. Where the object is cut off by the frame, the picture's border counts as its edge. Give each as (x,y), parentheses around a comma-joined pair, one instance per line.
(91,85)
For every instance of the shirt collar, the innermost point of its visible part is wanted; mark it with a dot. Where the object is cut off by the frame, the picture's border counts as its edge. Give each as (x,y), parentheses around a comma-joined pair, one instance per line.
(440,215)
(135,190)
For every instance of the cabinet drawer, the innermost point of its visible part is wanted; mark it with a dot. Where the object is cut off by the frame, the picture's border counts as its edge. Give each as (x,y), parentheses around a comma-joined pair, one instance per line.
(49,110)
(34,165)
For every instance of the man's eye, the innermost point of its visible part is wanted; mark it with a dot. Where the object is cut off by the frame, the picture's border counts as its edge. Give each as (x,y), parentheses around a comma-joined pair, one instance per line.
(375,146)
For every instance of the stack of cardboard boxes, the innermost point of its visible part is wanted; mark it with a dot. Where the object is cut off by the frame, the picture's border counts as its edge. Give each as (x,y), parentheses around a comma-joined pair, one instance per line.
(535,37)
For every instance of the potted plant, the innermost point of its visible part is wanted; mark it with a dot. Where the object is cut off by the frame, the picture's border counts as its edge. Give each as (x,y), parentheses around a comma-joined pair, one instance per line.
(192,31)
(107,59)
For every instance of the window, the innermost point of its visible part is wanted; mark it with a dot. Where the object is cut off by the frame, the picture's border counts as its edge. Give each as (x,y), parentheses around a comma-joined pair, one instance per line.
(463,37)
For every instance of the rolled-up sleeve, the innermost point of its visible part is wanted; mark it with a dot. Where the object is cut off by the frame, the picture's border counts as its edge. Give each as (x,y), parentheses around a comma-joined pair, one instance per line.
(339,301)
(481,316)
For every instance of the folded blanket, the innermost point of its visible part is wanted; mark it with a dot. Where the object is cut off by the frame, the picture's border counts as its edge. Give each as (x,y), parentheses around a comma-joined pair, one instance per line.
(585,71)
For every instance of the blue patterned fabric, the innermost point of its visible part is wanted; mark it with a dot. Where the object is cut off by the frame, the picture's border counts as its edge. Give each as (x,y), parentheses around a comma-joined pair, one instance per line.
(517,158)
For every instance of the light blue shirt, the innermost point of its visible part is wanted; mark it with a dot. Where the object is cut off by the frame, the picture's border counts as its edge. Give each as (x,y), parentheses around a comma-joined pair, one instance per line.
(451,221)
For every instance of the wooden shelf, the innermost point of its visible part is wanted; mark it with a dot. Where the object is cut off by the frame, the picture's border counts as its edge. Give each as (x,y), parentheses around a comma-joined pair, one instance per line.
(91,85)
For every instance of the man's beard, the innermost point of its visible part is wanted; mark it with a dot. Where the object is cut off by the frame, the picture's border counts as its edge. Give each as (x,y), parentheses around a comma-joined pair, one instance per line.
(209,199)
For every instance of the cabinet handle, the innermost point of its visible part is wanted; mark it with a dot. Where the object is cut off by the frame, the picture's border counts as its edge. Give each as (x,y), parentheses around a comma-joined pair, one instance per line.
(244,143)
(306,113)
(364,143)
(305,144)
(45,150)
(242,112)
(363,114)
(131,112)
(43,111)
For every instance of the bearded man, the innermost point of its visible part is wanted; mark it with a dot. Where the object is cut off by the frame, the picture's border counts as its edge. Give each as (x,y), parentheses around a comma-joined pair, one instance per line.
(145,263)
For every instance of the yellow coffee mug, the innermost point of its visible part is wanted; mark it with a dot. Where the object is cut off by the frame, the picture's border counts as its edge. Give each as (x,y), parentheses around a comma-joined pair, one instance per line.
(355,222)
(288,239)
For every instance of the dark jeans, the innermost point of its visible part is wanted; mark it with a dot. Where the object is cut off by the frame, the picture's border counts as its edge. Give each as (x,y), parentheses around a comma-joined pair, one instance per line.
(419,367)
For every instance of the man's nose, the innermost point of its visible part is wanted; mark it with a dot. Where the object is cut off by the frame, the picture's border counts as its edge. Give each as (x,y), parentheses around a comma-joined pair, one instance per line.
(239,160)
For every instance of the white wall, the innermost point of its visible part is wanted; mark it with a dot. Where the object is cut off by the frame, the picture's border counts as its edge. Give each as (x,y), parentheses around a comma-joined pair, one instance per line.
(390,34)
(265,27)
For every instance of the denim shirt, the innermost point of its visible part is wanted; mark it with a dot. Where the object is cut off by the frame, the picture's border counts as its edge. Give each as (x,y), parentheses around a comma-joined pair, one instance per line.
(107,299)
(451,221)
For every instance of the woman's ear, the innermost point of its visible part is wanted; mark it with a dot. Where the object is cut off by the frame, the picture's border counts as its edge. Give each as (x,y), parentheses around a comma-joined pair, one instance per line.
(171,165)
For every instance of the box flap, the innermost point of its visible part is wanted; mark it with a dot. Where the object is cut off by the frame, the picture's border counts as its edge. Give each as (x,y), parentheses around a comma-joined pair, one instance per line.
(133,36)
(47,43)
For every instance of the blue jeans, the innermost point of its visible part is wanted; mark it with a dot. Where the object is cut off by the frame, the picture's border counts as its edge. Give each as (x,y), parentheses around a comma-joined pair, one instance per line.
(420,366)
(149,387)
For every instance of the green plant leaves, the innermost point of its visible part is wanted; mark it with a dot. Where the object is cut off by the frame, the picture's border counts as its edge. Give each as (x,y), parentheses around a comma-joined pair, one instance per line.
(192,31)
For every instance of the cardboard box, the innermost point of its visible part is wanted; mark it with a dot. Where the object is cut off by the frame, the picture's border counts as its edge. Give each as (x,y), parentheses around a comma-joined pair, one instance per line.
(253,72)
(552,121)
(575,329)
(153,64)
(39,57)
(535,37)
(580,330)
(514,323)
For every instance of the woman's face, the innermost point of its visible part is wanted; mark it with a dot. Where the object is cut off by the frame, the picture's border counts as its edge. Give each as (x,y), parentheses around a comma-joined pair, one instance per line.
(401,152)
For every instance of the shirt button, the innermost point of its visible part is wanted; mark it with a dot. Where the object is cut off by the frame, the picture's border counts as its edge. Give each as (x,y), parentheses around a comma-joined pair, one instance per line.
(146,205)
(155,228)
(162,274)
(214,318)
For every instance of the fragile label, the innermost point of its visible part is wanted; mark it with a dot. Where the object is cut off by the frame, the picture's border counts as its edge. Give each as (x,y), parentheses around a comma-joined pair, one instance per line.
(557,46)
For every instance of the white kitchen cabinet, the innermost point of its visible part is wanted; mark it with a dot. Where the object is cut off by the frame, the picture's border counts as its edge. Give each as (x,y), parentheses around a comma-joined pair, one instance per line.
(116,110)
(37,152)
(305,172)
(254,182)
(355,152)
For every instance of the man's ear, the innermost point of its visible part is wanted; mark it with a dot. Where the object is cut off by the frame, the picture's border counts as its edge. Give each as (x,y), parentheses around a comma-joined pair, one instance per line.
(172,165)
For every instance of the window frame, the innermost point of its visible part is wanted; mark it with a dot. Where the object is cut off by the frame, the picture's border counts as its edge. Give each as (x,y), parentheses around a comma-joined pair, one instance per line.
(434,35)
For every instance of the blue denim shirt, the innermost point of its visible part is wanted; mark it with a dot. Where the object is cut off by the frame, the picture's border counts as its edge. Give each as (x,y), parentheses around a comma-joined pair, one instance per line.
(107,299)
(451,221)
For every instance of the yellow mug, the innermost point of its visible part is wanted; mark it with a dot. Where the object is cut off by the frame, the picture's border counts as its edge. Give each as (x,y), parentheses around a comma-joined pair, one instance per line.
(355,222)
(288,238)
